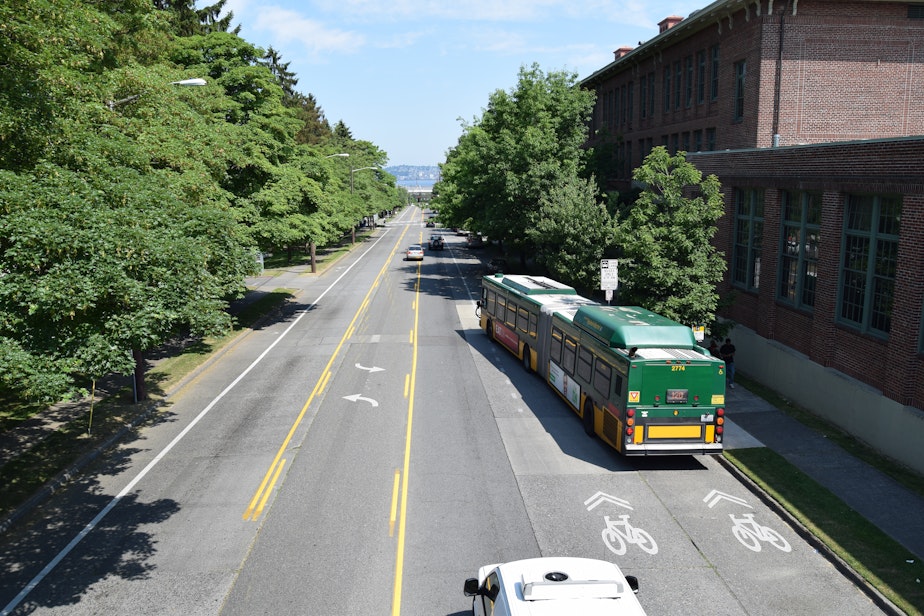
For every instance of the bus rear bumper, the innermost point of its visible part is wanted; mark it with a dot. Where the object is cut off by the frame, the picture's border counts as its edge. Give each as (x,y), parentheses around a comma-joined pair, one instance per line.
(668,449)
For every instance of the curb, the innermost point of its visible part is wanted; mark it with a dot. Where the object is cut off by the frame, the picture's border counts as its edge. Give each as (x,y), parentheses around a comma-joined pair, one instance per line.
(878,599)
(53,484)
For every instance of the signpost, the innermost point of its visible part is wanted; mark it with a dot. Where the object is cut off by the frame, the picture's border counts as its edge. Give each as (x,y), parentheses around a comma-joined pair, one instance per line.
(609,277)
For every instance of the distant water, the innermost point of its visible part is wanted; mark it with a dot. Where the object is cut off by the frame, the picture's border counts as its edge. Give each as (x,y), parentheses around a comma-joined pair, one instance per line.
(421,183)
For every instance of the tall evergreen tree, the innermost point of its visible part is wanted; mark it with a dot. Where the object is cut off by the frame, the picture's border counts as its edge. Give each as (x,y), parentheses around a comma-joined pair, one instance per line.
(286,78)
(316,129)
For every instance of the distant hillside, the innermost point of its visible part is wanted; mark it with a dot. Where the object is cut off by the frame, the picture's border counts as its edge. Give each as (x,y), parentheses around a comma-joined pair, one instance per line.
(408,175)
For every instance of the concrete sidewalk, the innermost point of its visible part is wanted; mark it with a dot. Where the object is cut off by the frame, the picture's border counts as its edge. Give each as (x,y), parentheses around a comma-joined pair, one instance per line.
(753,422)
(880,499)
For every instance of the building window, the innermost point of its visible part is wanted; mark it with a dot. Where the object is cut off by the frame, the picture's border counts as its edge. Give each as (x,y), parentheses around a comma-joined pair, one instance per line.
(714,89)
(628,159)
(710,140)
(701,77)
(643,96)
(799,251)
(667,89)
(675,143)
(688,86)
(921,333)
(678,83)
(871,228)
(630,103)
(749,235)
(697,141)
(651,94)
(740,73)
(685,141)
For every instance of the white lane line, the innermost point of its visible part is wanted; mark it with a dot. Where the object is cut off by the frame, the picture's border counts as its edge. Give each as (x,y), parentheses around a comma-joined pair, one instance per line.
(12,605)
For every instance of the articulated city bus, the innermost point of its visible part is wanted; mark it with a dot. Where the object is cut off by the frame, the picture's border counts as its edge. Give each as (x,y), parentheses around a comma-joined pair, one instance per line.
(637,379)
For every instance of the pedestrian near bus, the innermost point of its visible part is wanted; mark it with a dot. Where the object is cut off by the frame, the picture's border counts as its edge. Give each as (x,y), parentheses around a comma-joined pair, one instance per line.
(728,355)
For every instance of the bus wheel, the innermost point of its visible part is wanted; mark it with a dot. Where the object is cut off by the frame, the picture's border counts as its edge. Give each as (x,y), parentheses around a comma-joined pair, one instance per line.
(588,417)
(527,360)
(489,329)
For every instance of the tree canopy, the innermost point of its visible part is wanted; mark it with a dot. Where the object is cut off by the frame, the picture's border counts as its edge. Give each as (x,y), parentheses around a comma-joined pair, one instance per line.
(515,173)
(669,264)
(131,207)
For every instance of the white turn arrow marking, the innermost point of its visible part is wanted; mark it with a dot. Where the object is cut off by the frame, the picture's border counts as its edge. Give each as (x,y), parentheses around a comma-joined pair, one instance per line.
(372,369)
(601,497)
(715,496)
(357,398)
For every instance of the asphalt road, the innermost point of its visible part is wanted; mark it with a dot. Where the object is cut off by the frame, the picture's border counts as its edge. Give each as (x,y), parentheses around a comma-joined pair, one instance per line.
(366,453)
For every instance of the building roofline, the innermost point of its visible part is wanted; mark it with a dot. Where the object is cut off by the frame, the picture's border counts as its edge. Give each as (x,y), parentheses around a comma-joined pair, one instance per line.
(689,25)
(824,144)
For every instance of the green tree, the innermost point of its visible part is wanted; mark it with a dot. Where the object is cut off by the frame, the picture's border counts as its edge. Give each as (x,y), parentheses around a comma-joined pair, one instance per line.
(525,147)
(668,263)
(315,127)
(570,231)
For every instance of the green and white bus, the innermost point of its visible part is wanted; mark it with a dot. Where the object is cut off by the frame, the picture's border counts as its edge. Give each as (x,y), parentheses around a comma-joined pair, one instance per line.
(638,380)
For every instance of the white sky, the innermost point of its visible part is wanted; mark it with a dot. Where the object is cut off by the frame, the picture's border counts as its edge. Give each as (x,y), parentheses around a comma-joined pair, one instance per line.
(402,74)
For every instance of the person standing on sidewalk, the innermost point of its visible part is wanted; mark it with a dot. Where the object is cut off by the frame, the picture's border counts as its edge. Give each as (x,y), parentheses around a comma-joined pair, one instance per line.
(728,355)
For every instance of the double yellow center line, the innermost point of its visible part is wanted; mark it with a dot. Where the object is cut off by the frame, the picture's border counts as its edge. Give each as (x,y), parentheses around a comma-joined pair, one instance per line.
(258,502)
(398,511)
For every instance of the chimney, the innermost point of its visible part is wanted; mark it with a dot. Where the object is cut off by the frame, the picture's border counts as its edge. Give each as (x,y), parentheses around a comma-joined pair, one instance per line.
(622,51)
(669,22)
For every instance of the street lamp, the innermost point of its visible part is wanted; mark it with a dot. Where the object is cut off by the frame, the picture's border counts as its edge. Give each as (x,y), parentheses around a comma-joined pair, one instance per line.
(195,81)
(352,171)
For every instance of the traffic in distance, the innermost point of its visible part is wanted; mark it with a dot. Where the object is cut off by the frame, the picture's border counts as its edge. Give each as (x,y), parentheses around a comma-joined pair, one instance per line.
(637,379)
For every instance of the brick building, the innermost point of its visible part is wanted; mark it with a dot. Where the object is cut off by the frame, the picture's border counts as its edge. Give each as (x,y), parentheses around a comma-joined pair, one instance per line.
(811,113)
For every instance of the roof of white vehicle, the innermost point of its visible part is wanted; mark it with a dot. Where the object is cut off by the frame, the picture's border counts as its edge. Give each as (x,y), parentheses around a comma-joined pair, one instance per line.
(591,587)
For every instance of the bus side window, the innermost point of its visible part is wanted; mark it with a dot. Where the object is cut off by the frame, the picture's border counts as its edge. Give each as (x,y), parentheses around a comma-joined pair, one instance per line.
(490,298)
(585,363)
(523,320)
(501,308)
(617,387)
(555,349)
(567,361)
(603,374)
(511,319)
(533,324)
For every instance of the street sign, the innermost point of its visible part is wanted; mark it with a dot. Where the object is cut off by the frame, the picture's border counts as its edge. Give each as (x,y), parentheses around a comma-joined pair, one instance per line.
(609,274)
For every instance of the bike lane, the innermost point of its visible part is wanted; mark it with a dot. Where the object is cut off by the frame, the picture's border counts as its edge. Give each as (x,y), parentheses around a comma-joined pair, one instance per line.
(696,537)
(692,534)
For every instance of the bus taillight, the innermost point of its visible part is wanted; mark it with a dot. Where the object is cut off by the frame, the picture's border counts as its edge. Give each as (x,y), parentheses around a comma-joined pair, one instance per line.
(630,412)
(720,412)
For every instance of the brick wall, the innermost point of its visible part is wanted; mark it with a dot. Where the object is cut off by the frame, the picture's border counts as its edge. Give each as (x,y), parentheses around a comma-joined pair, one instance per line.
(848,71)
(888,167)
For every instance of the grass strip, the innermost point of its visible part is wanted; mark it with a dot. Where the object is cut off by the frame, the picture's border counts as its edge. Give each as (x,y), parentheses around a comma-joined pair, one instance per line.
(26,474)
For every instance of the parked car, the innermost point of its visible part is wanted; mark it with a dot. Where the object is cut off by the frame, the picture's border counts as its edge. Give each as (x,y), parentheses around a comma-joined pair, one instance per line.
(436,242)
(475,240)
(553,585)
(431,223)
(414,253)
